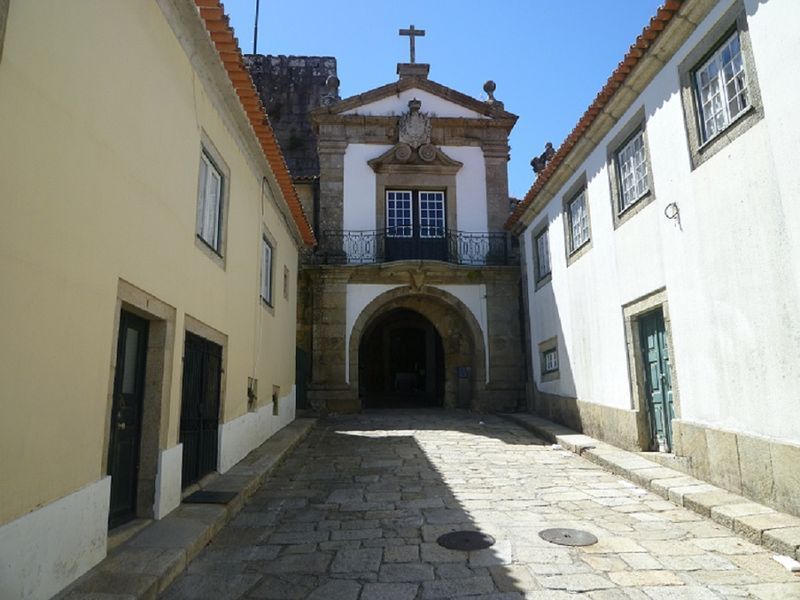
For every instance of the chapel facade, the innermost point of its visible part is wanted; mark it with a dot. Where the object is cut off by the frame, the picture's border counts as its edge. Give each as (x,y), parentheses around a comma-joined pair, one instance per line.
(411,297)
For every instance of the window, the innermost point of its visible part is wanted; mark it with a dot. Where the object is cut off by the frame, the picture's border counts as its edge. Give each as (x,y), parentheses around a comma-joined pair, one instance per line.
(578,217)
(209,213)
(632,171)
(398,214)
(542,255)
(431,214)
(266,271)
(550,360)
(721,87)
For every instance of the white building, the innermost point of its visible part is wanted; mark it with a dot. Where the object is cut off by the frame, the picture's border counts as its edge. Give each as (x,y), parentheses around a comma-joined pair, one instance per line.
(662,251)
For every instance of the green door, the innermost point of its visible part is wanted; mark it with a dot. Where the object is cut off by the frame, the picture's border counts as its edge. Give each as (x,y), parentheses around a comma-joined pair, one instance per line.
(658,385)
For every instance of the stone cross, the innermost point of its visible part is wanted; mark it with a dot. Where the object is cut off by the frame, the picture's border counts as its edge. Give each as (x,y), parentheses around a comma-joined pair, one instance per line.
(412,33)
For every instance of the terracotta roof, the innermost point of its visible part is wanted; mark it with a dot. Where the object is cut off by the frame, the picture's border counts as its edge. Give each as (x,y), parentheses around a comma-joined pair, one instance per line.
(637,50)
(221,33)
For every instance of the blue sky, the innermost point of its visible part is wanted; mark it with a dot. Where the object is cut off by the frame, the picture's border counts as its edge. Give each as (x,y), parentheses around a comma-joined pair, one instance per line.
(548,58)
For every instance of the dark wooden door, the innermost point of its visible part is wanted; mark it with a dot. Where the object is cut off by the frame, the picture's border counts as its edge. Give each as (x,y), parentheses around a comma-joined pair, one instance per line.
(202,371)
(658,385)
(126,417)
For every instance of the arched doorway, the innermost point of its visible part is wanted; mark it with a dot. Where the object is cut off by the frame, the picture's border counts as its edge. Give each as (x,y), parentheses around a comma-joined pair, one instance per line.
(464,373)
(401,362)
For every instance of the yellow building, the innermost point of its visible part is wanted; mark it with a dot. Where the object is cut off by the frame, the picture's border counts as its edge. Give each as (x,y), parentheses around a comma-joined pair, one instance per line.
(149,245)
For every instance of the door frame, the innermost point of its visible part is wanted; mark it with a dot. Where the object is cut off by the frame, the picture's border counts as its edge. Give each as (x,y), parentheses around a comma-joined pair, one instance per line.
(632,313)
(153,432)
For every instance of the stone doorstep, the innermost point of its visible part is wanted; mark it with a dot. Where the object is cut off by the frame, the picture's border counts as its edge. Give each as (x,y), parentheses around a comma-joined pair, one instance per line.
(147,563)
(757,523)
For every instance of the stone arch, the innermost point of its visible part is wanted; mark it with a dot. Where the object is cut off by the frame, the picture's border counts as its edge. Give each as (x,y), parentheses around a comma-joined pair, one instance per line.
(461,335)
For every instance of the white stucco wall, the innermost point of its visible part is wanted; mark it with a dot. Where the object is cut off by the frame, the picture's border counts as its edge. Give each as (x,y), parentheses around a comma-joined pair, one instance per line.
(731,270)
(471,212)
(360,295)
(398,104)
(47,549)
(359,187)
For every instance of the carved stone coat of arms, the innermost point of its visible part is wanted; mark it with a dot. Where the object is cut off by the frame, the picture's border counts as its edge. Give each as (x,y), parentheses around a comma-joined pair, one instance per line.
(415,126)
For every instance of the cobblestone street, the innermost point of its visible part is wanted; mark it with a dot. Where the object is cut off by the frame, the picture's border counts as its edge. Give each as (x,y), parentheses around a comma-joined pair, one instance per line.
(355,511)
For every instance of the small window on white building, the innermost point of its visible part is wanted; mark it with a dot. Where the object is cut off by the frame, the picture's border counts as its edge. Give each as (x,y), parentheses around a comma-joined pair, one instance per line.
(209,204)
(721,88)
(550,361)
(542,255)
(399,217)
(266,271)
(286,281)
(632,171)
(578,216)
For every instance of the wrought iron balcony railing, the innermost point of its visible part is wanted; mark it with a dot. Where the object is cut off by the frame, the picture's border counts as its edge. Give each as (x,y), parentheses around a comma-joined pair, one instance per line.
(456,247)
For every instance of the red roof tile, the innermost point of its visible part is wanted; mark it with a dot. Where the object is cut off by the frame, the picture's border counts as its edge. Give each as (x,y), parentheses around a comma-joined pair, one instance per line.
(221,33)
(637,50)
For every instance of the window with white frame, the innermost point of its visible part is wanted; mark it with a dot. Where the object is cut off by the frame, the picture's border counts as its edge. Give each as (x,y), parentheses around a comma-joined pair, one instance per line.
(542,255)
(578,216)
(721,87)
(209,212)
(431,214)
(632,171)
(266,270)
(399,217)
(550,360)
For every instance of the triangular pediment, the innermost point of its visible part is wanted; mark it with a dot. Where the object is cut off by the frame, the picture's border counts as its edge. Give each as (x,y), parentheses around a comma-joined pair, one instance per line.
(402,158)
(437,100)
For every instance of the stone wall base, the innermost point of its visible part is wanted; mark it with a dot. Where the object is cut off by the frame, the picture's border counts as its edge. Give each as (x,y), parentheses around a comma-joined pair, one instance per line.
(767,471)
(622,428)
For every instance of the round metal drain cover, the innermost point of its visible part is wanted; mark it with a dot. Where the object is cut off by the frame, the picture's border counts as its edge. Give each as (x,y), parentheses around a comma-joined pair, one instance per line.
(568,537)
(465,540)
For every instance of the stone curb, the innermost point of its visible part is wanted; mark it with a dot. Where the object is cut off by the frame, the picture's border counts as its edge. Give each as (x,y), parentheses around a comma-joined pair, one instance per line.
(755,522)
(149,562)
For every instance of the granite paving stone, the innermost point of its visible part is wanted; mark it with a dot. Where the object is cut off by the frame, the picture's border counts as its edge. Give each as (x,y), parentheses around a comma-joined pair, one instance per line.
(354,513)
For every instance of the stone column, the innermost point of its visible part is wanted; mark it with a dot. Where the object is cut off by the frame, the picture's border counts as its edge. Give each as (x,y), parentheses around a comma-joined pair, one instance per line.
(329,390)
(495,155)
(331,183)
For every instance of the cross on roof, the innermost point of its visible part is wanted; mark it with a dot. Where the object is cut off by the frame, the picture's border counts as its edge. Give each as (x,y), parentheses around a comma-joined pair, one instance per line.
(412,33)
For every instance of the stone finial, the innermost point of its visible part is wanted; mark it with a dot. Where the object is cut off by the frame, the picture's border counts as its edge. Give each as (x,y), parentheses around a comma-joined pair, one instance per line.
(331,95)
(540,162)
(489,87)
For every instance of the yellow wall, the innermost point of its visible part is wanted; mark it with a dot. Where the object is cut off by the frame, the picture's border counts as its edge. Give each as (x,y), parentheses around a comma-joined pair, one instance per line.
(100,135)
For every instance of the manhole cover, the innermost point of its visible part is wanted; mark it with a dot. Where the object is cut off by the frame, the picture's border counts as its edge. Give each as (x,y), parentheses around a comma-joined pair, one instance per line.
(465,540)
(568,537)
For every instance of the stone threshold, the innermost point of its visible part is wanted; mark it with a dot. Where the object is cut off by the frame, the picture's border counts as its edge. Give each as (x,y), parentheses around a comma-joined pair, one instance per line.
(777,531)
(147,563)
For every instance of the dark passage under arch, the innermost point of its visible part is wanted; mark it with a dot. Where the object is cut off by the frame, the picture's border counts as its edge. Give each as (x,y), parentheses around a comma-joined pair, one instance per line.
(401,362)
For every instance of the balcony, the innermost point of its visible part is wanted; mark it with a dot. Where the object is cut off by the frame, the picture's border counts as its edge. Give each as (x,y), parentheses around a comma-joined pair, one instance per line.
(455,247)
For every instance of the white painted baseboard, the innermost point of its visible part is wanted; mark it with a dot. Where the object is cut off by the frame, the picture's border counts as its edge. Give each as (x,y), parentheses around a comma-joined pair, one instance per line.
(240,436)
(168,481)
(47,549)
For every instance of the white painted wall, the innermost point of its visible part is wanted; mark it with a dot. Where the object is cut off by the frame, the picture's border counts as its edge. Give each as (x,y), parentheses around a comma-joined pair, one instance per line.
(45,550)
(359,187)
(470,189)
(239,437)
(431,104)
(168,481)
(358,296)
(732,272)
